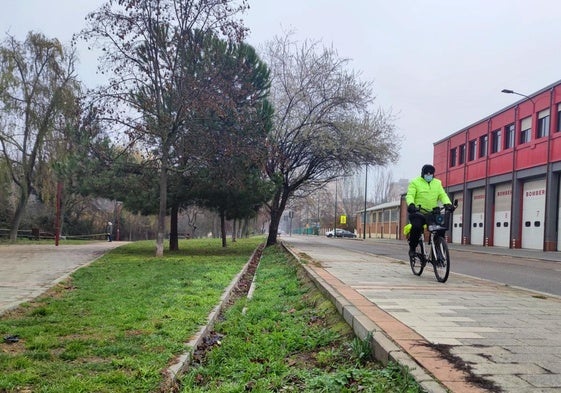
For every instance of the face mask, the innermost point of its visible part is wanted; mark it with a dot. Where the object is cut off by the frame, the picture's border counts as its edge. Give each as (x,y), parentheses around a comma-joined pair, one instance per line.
(428,178)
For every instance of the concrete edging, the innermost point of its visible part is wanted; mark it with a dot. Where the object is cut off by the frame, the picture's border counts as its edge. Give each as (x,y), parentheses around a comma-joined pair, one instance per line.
(173,372)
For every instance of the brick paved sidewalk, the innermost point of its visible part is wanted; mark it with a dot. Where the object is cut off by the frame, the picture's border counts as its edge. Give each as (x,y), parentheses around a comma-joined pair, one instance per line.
(462,331)
(26,271)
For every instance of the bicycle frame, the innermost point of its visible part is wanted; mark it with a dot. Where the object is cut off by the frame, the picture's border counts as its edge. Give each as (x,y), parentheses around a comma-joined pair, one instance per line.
(437,253)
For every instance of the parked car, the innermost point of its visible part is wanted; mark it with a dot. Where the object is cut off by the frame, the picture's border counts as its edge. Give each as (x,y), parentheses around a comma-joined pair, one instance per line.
(340,233)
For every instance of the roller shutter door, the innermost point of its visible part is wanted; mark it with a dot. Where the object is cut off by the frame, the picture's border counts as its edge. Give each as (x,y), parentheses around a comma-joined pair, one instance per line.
(457,219)
(501,230)
(533,207)
(477,216)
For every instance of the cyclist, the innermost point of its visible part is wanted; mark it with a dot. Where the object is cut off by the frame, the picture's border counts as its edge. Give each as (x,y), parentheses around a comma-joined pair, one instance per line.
(426,191)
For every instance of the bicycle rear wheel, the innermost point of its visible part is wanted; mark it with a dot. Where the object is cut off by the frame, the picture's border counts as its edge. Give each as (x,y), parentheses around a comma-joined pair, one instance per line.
(441,261)
(417,263)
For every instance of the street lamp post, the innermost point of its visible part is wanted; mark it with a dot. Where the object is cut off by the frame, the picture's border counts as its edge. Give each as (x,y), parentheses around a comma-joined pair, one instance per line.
(513,178)
(319,215)
(514,194)
(118,207)
(58,212)
(365,193)
(335,221)
(509,91)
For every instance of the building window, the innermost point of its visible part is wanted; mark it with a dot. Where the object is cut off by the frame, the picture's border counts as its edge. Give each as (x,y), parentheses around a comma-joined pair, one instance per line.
(472,148)
(453,153)
(386,215)
(525,136)
(462,154)
(509,136)
(543,124)
(496,141)
(483,140)
(525,130)
(558,118)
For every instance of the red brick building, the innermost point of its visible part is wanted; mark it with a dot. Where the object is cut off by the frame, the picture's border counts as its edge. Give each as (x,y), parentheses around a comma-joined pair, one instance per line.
(504,170)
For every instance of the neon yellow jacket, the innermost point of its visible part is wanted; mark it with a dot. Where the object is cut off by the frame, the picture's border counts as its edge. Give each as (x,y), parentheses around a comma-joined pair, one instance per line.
(420,192)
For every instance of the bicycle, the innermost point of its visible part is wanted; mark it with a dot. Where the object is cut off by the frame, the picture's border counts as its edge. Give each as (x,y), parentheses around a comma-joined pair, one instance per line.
(437,252)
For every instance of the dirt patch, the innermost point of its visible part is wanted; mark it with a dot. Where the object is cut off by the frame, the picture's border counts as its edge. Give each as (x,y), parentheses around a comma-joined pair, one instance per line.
(213,338)
(240,290)
(446,352)
(12,345)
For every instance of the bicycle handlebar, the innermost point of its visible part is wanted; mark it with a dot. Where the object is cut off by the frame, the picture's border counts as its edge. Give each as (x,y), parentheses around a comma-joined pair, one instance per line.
(437,209)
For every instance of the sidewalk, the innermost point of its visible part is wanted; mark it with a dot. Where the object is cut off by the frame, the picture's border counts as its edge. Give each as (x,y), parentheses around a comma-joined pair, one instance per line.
(467,335)
(26,271)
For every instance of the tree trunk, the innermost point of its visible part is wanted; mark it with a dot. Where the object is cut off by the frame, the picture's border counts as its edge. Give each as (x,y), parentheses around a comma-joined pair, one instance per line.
(173,235)
(234,231)
(223,228)
(277,207)
(20,209)
(244,228)
(162,212)
(274,226)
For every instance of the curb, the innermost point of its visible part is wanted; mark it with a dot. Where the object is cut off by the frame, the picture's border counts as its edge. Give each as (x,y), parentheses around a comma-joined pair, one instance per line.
(384,348)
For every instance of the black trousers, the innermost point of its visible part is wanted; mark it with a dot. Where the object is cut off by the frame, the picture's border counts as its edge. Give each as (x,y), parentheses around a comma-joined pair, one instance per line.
(417,221)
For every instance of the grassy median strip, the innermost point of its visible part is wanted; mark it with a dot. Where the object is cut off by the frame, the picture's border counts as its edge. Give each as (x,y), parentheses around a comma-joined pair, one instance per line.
(116,324)
(289,338)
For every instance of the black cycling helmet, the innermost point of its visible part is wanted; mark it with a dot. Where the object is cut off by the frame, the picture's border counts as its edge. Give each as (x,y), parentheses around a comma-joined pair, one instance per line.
(428,168)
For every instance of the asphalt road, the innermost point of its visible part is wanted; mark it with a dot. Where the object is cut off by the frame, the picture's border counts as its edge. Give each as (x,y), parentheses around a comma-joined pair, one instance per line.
(519,268)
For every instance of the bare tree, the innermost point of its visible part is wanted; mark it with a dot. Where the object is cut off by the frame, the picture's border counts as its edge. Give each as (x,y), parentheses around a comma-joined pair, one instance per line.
(381,181)
(352,198)
(153,49)
(323,124)
(38,90)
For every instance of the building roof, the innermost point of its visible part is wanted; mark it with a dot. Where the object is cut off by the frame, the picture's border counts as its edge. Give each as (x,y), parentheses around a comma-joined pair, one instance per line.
(382,206)
(487,118)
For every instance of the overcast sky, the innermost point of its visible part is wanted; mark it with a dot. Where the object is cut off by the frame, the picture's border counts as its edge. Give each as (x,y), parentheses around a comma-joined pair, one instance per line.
(438,65)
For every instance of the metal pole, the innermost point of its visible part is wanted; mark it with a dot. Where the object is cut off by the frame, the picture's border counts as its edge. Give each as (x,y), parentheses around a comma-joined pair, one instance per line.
(319,216)
(307,217)
(365,193)
(335,222)
(515,192)
(509,91)
(57,217)
(119,207)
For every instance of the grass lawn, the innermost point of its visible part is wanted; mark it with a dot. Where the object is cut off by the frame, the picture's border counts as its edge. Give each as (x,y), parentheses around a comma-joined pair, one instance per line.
(116,324)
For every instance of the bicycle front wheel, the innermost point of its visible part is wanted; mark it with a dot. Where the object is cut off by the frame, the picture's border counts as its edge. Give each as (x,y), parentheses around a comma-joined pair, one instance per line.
(441,261)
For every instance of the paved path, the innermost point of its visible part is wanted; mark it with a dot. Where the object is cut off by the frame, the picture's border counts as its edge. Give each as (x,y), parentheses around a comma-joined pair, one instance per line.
(467,329)
(26,271)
